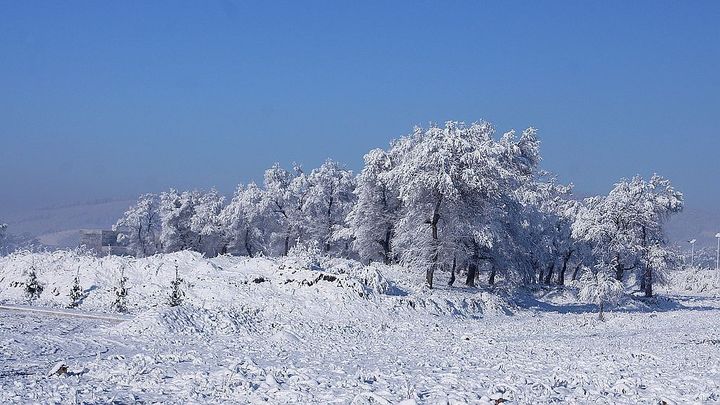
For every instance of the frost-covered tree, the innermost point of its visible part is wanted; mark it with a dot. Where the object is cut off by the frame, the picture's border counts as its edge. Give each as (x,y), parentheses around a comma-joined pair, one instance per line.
(600,288)
(372,220)
(245,222)
(625,224)
(550,213)
(205,223)
(76,291)
(33,288)
(176,217)
(286,193)
(139,227)
(328,201)
(447,179)
(658,261)
(120,292)
(176,292)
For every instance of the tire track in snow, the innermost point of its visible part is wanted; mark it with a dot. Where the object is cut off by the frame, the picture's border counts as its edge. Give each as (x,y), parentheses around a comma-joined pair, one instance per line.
(71,314)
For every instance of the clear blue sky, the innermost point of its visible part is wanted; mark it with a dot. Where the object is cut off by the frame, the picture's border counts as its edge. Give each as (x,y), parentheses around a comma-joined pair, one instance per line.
(106,99)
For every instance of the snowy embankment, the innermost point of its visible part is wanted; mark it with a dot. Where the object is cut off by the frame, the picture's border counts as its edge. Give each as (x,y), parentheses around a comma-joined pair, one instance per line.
(313,288)
(296,331)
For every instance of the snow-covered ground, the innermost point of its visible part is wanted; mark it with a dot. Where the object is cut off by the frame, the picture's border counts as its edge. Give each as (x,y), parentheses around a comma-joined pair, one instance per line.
(297,331)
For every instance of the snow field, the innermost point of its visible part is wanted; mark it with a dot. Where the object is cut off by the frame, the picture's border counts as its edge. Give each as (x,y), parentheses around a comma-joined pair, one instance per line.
(286,331)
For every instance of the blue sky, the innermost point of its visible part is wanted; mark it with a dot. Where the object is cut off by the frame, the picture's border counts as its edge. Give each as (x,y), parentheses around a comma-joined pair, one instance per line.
(111,99)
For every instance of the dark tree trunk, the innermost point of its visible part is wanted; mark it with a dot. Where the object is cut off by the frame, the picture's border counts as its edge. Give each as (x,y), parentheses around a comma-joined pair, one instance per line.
(575,272)
(429,276)
(541,275)
(491,279)
(386,246)
(619,269)
(563,269)
(434,226)
(549,274)
(648,282)
(471,274)
(452,272)
(287,245)
(329,219)
(248,248)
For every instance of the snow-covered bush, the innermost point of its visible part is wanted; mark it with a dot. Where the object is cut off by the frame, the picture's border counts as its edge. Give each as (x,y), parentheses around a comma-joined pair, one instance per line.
(306,255)
(33,288)
(121,292)
(76,292)
(176,293)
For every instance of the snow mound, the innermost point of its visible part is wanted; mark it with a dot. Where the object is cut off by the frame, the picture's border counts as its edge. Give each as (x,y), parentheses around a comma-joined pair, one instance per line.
(190,320)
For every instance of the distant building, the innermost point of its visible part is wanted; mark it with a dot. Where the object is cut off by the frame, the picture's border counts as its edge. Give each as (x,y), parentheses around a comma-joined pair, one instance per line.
(101,242)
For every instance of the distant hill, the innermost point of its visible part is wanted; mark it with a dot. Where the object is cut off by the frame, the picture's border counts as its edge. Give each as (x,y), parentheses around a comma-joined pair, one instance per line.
(59,226)
(694,223)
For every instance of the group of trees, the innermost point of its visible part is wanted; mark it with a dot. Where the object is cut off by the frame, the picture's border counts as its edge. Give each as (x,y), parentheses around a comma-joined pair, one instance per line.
(292,207)
(455,200)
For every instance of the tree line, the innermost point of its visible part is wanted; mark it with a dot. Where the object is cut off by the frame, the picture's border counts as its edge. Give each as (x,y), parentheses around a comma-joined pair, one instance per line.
(453,199)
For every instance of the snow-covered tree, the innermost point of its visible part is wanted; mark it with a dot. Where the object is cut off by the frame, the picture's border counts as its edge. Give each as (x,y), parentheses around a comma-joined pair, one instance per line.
(176,217)
(33,288)
(372,219)
(205,223)
(120,292)
(328,201)
(600,288)
(626,223)
(139,227)
(447,179)
(76,291)
(245,221)
(286,193)
(176,292)
(550,213)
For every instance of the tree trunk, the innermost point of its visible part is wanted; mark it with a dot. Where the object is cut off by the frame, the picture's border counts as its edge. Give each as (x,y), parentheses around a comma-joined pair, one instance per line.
(471,273)
(566,259)
(549,274)
(386,246)
(248,249)
(619,270)
(648,282)
(601,316)
(452,272)
(575,272)
(491,279)
(287,245)
(329,219)
(435,255)
(429,276)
